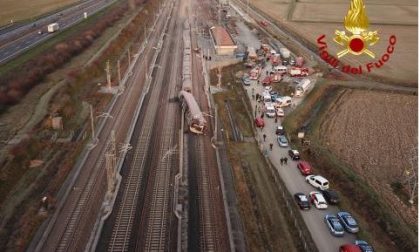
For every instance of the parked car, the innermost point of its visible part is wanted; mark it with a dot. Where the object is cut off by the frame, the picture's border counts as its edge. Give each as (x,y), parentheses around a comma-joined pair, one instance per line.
(279,112)
(348,222)
(304,168)
(318,200)
(302,201)
(364,246)
(245,80)
(331,196)
(270,111)
(268,88)
(318,182)
(274,94)
(349,248)
(292,61)
(279,130)
(259,122)
(282,140)
(266,81)
(294,154)
(334,225)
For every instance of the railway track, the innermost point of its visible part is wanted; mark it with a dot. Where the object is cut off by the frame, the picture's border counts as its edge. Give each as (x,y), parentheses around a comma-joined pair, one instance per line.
(87,196)
(77,218)
(206,200)
(144,214)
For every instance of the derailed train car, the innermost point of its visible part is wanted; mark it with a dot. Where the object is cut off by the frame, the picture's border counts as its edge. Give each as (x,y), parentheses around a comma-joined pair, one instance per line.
(193,115)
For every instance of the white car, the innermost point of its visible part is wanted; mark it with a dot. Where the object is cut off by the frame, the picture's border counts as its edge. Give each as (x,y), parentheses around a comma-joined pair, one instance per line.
(283,101)
(318,200)
(270,110)
(268,88)
(279,112)
(318,182)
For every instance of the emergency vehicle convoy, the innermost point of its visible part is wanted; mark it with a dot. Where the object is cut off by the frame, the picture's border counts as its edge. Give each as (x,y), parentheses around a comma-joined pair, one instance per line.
(193,115)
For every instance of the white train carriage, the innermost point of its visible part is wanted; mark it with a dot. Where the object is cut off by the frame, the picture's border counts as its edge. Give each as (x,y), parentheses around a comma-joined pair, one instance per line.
(186,25)
(195,119)
(187,84)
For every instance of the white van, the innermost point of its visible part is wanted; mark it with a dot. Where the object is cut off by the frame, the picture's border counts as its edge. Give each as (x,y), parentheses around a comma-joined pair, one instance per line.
(283,101)
(281,69)
(270,111)
(318,182)
(302,87)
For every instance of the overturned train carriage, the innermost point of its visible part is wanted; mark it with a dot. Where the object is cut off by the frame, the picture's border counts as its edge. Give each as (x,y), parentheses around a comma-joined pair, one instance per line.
(193,115)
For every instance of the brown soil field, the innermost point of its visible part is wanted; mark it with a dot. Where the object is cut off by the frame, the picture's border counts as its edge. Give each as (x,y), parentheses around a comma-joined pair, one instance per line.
(25,9)
(335,12)
(399,2)
(375,133)
(402,65)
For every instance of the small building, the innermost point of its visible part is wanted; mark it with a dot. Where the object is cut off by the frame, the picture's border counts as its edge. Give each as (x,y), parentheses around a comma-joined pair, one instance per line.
(222,41)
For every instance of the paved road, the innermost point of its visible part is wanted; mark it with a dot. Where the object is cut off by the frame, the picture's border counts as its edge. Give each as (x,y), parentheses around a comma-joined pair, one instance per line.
(292,178)
(16,40)
(295,182)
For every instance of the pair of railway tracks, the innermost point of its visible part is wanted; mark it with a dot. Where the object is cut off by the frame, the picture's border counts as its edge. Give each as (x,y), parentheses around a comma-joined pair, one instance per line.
(206,205)
(144,214)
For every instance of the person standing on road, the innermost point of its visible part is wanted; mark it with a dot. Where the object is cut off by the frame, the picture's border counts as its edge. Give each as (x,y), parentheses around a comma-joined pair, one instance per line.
(285,160)
(264,136)
(281,161)
(271,146)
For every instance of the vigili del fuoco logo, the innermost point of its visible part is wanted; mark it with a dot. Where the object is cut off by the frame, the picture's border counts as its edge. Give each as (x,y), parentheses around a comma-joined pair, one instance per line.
(359,40)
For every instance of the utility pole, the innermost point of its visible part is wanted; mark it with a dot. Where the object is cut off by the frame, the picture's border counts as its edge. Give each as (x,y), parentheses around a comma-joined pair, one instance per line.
(145,34)
(129,57)
(108,74)
(119,72)
(92,123)
(111,163)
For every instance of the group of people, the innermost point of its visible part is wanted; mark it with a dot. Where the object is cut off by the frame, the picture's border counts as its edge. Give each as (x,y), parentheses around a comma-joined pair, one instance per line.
(283,161)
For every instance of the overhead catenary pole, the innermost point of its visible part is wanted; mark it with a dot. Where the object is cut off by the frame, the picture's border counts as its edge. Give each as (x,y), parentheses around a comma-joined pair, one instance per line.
(129,57)
(108,75)
(119,72)
(92,123)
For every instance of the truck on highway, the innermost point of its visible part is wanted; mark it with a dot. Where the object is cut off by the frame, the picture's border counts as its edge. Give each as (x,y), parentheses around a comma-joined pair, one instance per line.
(53,27)
(302,87)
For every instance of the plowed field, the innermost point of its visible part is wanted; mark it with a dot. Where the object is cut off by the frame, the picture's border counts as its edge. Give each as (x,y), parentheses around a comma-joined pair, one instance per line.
(376,134)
